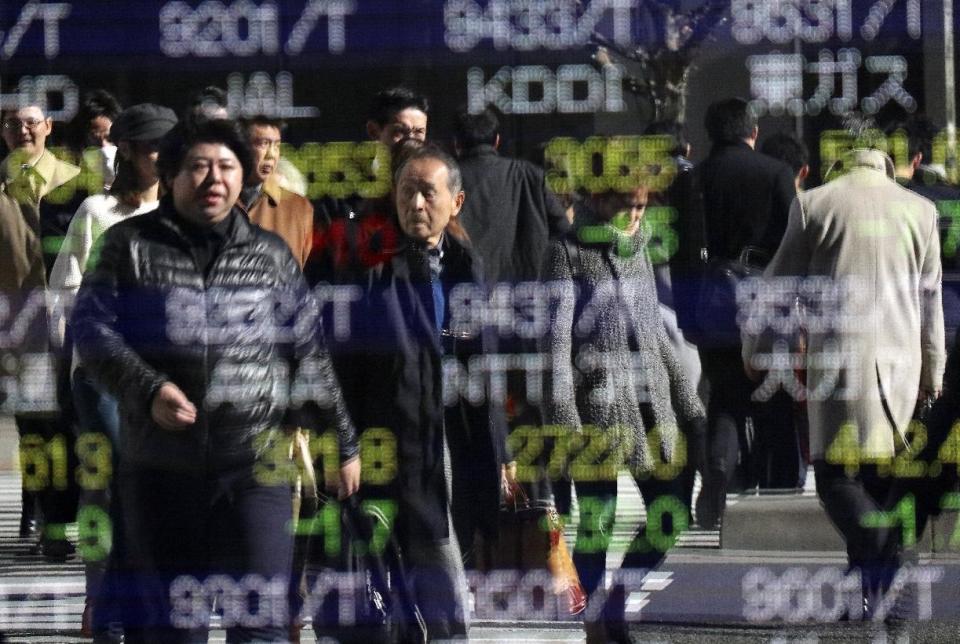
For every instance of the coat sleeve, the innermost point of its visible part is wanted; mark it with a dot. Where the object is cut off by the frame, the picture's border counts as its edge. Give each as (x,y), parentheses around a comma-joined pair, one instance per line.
(791,259)
(307,235)
(95,326)
(316,397)
(683,393)
(560,404)
(67,272)
(932,339)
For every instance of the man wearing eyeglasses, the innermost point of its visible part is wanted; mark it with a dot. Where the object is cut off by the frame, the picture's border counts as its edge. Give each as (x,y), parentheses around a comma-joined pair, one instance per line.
(268,204)
(30,173)
(41,184)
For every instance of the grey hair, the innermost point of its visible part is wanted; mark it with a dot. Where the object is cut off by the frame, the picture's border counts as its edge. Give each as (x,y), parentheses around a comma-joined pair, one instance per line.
(431,151)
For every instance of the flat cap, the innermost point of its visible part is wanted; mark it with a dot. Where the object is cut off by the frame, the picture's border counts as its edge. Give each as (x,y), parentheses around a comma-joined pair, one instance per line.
(142,122)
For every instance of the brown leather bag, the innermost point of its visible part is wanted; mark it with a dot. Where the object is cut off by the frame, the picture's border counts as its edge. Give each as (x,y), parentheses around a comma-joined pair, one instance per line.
(531,538)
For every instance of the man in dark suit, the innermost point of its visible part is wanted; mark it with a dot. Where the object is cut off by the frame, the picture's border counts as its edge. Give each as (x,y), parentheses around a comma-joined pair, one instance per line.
(511,214)
(746,201)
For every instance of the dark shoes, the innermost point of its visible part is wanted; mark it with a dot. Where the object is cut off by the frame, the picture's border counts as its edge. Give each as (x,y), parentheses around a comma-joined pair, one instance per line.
(56,549)
(29,513)
(28,527)
(610,626)
(86,621)
(712,500)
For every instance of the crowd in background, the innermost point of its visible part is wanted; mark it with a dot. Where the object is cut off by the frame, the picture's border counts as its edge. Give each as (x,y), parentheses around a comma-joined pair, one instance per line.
(216,352)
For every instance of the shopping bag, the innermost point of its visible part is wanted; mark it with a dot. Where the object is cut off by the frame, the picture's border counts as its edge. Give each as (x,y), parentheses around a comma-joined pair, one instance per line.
(531,538)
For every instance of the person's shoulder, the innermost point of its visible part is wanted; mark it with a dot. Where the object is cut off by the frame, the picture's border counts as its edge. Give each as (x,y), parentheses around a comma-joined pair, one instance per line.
(123,232)
(63,171)
(911,196)
(460,253)
(94,204)
(143,223)
(530,169)
(268,239)
(285,199)
(764,162)
(292,200)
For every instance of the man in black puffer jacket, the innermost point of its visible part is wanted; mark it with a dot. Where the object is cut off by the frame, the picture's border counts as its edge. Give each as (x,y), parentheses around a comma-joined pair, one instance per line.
(202,327)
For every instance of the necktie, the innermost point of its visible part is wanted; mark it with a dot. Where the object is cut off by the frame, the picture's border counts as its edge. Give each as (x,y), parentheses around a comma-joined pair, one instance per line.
(25,187)
(439,299)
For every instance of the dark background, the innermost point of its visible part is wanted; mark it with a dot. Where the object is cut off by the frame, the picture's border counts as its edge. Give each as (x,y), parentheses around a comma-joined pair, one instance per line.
(118,46)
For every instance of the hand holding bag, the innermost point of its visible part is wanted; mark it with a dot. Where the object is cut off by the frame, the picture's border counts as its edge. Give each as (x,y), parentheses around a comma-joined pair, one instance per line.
(531,538)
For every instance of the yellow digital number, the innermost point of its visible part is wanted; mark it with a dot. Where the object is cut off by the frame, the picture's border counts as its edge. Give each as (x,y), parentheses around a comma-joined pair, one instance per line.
(95,456)
(378,453)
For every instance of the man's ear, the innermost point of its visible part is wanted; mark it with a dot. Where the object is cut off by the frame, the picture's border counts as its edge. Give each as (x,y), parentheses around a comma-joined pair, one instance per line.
(496,142)
(458,203)
(373,130)
(916,160)
(803,173)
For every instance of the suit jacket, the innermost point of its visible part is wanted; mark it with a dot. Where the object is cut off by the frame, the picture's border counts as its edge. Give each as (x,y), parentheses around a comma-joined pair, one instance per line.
(746,200)
(879,312)
(47,205)
(286,214)
(509,214)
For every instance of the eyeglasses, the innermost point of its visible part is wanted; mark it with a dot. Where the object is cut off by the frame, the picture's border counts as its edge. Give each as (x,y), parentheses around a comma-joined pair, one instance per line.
(16,124)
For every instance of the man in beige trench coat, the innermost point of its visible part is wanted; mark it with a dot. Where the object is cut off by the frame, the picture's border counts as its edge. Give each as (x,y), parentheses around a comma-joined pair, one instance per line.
(867,254)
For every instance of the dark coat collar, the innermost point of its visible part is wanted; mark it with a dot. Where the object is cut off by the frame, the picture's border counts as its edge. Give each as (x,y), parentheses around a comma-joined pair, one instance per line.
(458,261)
(726,145)
(482,150)
(241,232)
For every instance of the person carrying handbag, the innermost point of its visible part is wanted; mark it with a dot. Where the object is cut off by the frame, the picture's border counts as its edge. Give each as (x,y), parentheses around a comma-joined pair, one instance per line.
(619,392)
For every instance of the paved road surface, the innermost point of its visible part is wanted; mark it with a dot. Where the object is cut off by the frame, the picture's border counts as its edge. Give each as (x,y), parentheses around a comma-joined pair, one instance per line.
(699,595)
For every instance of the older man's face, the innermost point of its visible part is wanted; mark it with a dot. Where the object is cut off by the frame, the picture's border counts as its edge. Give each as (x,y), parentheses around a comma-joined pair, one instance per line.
(26,131)
(425,203)
(265,140)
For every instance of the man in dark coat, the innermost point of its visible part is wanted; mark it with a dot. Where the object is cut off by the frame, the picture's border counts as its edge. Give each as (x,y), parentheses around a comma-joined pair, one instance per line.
(746,202)
(350,232)
(401,350)
(511,214)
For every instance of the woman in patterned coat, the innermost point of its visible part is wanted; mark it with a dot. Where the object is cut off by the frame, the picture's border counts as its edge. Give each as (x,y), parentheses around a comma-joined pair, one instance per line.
(619,390)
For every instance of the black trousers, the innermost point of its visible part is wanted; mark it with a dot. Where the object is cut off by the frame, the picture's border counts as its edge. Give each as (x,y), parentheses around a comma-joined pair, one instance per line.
(667,515)
(184,541)
(849,498)
(48,462)
(769,455)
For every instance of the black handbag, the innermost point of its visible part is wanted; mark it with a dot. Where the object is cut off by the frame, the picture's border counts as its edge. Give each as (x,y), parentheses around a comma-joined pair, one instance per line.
(717,302)
(384,606)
